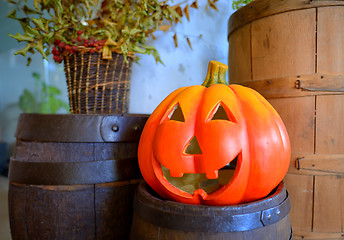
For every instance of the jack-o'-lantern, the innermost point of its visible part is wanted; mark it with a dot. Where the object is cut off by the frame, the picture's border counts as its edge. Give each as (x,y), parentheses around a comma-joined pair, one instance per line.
(214,144)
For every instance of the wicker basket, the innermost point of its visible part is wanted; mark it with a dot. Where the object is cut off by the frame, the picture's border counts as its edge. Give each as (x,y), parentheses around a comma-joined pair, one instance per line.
(97,85)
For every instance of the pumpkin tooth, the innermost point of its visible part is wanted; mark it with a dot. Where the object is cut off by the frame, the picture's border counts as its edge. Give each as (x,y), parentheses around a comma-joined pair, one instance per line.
(200,192)
(176,173)
(212,175)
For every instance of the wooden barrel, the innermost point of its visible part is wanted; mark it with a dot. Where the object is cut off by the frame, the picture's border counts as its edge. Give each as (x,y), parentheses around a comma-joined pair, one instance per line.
(292,53)
(158,219)
(74,176)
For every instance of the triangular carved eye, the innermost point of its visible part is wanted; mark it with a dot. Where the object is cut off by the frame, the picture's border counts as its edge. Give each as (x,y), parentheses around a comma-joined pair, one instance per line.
(220,113)
(176,114)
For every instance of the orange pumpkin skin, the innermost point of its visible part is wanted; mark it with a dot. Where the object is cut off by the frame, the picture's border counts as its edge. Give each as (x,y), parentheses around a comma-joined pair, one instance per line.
(255,133)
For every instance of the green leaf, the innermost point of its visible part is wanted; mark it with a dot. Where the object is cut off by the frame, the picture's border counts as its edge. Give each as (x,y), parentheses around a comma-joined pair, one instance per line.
(21,38)
(36,76)
(55,104)
(134,31)
(24,50)
(38,23)
(65,106)
(12,14)
(39,47)
(45,108)
(28,10)
(47,52)
(32,32)
(28,102)
(24,22)
(36,4)
(138,49)
(48,36)
(53,90)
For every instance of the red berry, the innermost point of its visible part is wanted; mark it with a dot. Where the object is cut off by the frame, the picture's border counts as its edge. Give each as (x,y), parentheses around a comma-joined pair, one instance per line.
(57,41)
(62,44)
(67,47)
(92,51)
(79,32)
(79,38)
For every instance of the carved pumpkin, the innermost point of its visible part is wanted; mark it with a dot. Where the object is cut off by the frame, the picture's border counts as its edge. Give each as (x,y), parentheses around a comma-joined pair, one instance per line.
(215,144)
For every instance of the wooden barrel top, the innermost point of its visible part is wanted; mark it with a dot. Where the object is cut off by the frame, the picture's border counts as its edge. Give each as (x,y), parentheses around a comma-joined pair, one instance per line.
(80,127)
(263,8)
(242,217)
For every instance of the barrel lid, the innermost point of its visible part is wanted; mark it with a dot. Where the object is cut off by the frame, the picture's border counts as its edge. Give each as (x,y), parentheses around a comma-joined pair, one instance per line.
(80,127)
(264,8)
(241,217)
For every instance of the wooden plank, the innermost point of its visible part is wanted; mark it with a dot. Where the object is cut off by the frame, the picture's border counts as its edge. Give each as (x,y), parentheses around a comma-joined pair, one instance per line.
(342,205)
(298,116)
(51,213)
(317,235)
(300,188)
(239,55)
(328,205)
(322,83)
(329,124)
(294,164)
(263,8)
(330,42)
(113,206)
(328,163)
(284,45)
(298,86)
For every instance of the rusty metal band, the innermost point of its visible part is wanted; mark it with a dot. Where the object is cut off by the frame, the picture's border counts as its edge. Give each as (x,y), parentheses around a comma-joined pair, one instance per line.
(73,173)
(80,127)
(226,222)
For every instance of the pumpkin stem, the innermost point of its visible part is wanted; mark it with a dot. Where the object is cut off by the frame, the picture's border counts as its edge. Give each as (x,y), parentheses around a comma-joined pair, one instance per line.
(216,74)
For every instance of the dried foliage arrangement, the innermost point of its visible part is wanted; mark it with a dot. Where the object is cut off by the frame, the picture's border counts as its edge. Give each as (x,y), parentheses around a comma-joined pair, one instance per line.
(236,4)
(64,27)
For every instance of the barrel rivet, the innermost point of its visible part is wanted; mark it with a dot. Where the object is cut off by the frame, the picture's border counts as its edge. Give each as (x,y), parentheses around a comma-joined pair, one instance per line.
(269,216)
(136,127)
(115,128)
(278,212)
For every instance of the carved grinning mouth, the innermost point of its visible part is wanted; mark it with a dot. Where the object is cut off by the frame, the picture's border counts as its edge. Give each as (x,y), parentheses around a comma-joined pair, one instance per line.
(190,182)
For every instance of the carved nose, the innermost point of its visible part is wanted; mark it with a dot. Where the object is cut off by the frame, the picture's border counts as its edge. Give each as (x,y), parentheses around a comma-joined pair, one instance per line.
(193,147)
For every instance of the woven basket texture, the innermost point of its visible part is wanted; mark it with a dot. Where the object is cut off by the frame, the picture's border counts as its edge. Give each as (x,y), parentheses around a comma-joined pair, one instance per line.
(97,85)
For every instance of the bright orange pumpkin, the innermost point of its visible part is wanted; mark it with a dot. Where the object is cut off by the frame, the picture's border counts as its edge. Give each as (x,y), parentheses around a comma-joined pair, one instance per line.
(199,133)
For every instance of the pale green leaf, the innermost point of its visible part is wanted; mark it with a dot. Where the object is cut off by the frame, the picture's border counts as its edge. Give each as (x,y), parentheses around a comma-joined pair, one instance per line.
(12,14)
(39,47)
(53,90)
(24,50)
(36,4)
(19,37)
(28,10)
(38,23)
(32,32)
